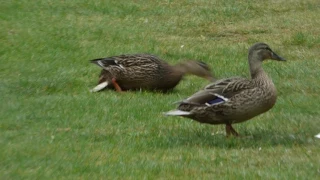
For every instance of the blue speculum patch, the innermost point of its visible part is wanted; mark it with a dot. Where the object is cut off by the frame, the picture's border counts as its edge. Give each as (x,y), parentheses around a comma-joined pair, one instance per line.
(215,101)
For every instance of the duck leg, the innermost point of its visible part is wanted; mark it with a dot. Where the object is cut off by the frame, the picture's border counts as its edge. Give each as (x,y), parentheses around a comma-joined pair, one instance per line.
(234,132)
(116,85)
(230,130)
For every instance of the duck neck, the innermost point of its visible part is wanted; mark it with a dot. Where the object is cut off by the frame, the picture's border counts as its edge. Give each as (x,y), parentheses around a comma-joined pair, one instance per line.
(258,75)
(182,68)
(255,65)
(192,68)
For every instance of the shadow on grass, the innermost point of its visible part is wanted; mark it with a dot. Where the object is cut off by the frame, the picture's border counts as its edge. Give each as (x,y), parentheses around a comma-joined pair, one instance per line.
(170,91)
(258,139)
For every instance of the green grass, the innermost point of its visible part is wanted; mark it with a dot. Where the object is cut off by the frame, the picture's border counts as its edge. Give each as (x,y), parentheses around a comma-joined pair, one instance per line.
(52,127)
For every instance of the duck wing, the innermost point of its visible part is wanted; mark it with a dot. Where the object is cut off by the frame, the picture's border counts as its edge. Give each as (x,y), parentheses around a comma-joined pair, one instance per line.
(229,87)
(219,91)
(123,61)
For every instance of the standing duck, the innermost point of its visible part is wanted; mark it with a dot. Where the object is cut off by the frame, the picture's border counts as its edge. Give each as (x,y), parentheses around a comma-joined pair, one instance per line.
(144,71)
(234,100)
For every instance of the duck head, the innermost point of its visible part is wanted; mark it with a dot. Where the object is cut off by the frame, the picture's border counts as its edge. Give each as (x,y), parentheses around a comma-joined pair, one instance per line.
(262,51)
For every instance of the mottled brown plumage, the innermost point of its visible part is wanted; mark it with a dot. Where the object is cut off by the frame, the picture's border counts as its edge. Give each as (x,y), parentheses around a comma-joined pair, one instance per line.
(236,99)
(144,71)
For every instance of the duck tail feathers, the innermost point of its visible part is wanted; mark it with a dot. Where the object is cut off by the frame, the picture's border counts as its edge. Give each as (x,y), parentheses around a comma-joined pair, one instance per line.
(177,113)
(99,87)
(104,62)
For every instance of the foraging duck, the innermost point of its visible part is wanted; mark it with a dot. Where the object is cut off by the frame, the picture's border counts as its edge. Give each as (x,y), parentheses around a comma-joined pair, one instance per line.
(144,71)
(234,100)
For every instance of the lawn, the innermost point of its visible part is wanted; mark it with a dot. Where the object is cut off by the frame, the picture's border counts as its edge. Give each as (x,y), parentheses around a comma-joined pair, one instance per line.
(52,127)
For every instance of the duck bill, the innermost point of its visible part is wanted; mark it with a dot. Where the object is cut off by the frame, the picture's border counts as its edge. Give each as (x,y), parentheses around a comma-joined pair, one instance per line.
(277,57)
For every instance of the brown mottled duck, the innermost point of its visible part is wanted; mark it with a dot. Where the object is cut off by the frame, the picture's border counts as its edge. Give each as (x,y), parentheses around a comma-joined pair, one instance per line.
(234,100)
(144,71)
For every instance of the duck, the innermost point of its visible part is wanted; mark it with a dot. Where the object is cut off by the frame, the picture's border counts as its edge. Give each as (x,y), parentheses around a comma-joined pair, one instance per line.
(145,72)
(236,99)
